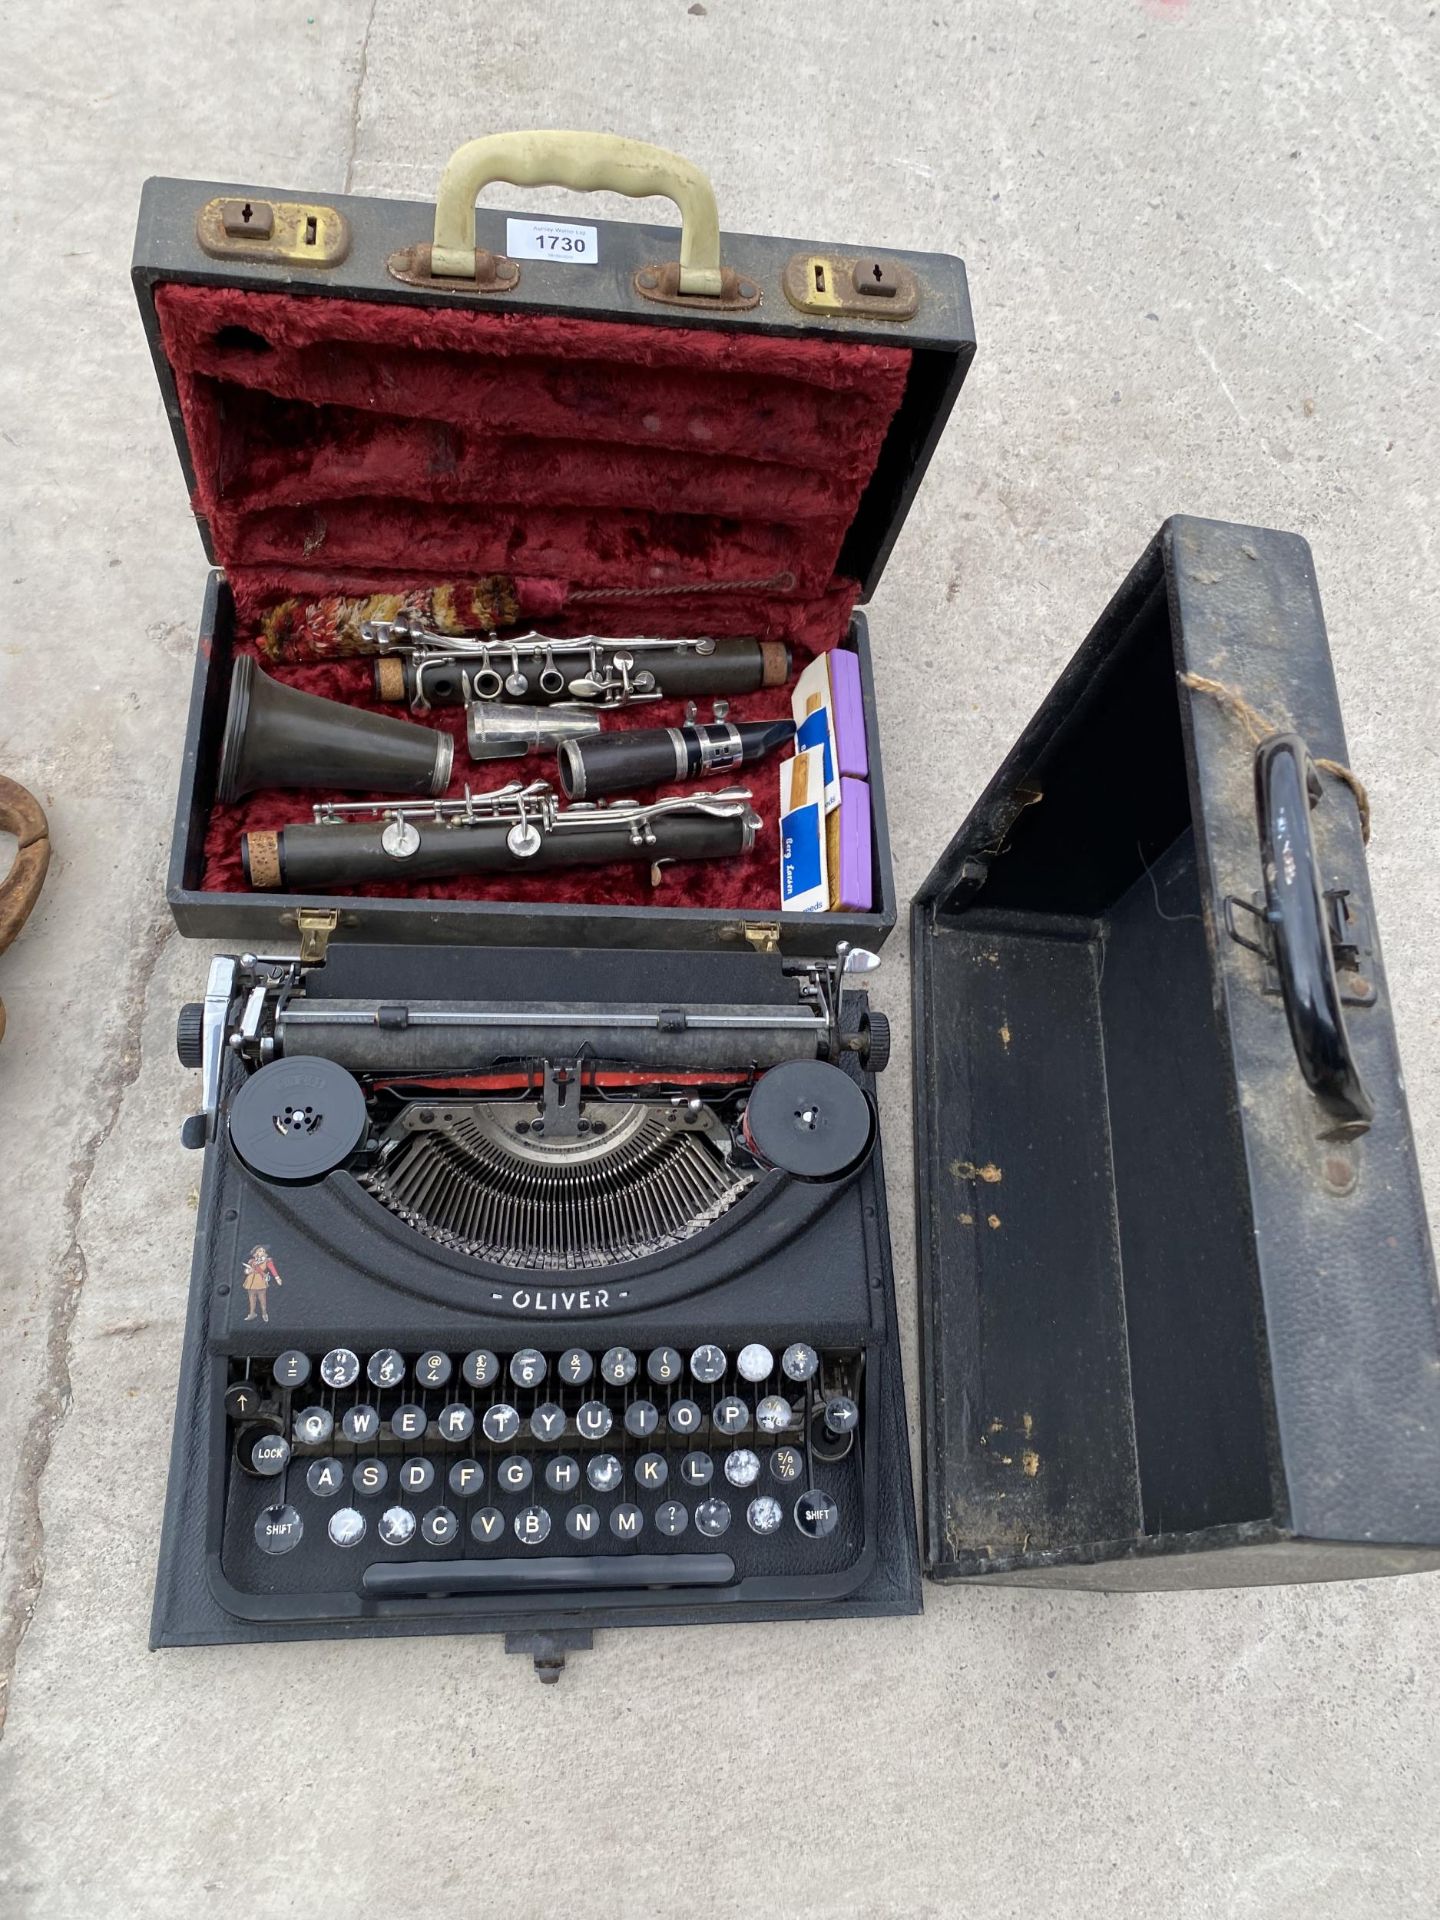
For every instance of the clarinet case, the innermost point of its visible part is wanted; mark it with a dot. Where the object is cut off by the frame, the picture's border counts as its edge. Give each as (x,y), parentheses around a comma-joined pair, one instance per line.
(583,427)
(1178,1303)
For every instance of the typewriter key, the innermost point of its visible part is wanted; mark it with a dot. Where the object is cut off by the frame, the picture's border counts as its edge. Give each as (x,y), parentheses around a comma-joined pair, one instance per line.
(594,1420)
(278,1530)
(481,1368)
(809,1119)
(408,1422)
(604,1472)
(291,1368)
(241,1400)
(576,1366)
(456,1422)
(527,1367)
(641,1419)
(708,1365)
(619,1366)
(652,1470)
(385,1368)
(712,1517)
(841,1415)
(731,1415)
(562,1474)
(582,1523)
(532,1526)
(360,1422)
(439,1526)
(433,1369)
(487,1526)
(340,1367)
(764,1515)
(800,1362)
(314,1426)
(816,1514)
(773,1413)
(370,1477)
(683,1416)
(397,1526)
(547,1422)
(417,1476)
(664,1365)
(514,1474)
(742,1467)
(347,1527)
(500,1424)
(786,1462)
(465,1477)
(324,1478)
(671,1518)
(756,1362)
(697,1469)
(297,1120)
(627,1522)
(269,1454)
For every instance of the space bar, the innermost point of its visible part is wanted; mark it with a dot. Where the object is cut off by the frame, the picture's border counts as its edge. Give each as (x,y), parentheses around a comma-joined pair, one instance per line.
(396,1580)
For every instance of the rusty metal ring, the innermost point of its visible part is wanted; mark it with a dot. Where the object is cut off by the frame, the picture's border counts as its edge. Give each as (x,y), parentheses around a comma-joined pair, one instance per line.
(21,814)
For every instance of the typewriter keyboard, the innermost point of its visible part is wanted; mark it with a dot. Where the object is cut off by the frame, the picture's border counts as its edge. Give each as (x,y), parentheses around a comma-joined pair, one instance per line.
(400,1475)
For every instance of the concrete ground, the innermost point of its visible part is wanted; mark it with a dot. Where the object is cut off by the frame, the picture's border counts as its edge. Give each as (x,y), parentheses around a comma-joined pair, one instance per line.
(1202,247)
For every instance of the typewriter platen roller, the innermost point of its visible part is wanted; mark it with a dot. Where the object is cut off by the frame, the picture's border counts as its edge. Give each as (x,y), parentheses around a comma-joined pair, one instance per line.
(516,1311)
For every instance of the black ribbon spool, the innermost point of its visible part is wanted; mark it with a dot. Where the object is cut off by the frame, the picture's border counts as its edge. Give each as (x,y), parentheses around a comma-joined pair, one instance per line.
(297,1120)
(810,1120)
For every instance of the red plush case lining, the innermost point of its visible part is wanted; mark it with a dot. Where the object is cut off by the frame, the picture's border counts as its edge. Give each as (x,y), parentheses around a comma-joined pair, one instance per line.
(345,446)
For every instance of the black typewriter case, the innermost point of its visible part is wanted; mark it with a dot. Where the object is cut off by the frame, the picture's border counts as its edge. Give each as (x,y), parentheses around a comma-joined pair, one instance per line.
(1178,1303)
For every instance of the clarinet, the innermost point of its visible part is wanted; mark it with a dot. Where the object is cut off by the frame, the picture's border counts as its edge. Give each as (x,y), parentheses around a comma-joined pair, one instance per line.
(424,669)
(516,829)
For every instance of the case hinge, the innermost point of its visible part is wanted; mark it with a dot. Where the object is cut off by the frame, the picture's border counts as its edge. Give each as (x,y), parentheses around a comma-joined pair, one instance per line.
(763,935)
(316,925)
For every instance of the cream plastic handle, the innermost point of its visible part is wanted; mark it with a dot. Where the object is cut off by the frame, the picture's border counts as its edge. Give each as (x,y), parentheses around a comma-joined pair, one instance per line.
(590,163)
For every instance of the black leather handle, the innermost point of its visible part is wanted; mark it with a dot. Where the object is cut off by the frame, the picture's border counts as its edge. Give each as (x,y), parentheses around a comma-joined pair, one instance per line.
(1286,787)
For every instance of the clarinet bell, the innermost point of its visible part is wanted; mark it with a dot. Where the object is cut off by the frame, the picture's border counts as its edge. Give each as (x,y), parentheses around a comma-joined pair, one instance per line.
(277,736)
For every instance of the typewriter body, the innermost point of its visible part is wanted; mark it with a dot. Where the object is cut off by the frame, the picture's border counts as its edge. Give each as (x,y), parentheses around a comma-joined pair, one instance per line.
(489,1338)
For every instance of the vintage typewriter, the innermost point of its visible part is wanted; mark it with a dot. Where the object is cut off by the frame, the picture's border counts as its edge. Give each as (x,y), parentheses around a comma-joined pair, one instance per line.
(519,1313)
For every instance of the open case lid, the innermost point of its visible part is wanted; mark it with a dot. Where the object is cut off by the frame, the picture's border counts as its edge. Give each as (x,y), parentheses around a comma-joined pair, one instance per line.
(1178,1303)
(731,423)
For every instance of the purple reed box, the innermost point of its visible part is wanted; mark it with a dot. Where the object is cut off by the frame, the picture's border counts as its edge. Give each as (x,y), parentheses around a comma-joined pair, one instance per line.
(848,710)
(852,883)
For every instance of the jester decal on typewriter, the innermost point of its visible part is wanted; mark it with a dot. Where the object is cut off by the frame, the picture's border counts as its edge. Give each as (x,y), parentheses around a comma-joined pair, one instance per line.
(260,1270)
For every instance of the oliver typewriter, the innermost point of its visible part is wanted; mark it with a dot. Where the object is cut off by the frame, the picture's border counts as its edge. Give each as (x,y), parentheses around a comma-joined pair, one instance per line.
(512,1312)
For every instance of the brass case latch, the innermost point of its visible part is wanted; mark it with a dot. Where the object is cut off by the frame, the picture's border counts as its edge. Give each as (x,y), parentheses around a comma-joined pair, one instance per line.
(872,288)
(292,233)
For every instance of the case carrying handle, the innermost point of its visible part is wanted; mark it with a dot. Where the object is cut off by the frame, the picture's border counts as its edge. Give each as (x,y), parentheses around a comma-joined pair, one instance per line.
(590,163)
(1303,927)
